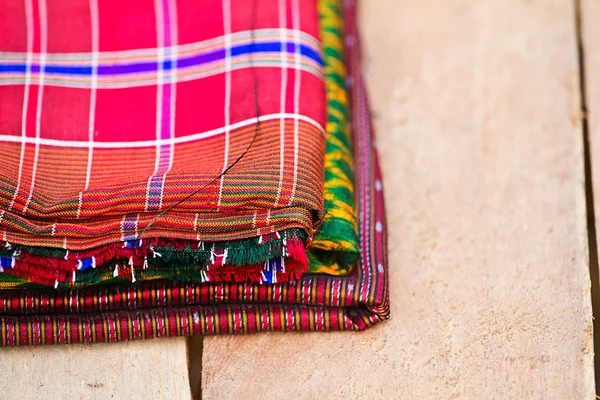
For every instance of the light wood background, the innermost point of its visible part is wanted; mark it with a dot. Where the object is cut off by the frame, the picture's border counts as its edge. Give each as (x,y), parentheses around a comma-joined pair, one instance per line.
(478,111)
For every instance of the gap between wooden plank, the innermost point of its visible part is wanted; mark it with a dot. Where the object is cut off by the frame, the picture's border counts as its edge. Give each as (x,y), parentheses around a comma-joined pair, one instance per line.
(589,42)
(194,353)
(589,191)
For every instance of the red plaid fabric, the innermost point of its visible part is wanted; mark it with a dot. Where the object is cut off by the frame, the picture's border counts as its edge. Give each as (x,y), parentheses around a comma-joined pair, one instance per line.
(164,309)
(111,112)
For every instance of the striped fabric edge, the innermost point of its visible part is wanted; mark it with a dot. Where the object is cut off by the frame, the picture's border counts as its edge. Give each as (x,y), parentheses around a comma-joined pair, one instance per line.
(184,321)
(315,303)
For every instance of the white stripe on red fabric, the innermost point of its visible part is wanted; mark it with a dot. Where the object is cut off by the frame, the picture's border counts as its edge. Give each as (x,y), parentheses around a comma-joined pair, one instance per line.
(95,45)
(166,36)
(40,96)
(282,95)
(227,33)
(29,22)
(160,58)
(297,85)
(173,26)
(154,143)
(95,31)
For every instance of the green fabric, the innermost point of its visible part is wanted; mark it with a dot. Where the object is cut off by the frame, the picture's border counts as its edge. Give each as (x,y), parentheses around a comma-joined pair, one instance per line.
(335,248)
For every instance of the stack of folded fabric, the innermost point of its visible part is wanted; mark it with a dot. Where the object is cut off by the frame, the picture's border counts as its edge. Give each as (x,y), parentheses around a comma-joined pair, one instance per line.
(179,167)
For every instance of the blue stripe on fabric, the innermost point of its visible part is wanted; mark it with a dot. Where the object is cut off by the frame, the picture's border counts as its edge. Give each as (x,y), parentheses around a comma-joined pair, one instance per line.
(167,65)
(86,263)
(13,68)
(132,244)
(6,262)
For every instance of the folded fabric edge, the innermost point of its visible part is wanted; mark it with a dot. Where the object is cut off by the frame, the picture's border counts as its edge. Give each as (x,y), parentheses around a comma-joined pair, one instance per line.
(184,321)
(172,225)
(265,259)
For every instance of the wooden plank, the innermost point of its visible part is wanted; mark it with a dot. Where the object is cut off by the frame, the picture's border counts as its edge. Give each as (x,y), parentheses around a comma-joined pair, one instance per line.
(590,29)
(148,369)
(590,41)
(477,106)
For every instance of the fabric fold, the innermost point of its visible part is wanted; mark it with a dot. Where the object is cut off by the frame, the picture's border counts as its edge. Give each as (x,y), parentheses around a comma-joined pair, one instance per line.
(349,298)
(334,249)
(211,145)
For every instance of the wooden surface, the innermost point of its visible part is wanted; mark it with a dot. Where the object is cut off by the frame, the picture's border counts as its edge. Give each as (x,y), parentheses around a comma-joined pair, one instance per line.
(590,12)
(477,106)
(152,369)
(590,29)
(477,110)
(590,50)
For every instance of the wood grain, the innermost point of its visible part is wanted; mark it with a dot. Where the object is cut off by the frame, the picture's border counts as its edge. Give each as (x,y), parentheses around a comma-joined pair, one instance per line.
(151,369)
(478,114)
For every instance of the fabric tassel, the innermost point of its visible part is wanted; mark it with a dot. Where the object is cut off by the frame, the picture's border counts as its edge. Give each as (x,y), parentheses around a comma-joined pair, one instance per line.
(224,257)
(154,252)
(269,275)
(132,244)
(7,262)
(86,263)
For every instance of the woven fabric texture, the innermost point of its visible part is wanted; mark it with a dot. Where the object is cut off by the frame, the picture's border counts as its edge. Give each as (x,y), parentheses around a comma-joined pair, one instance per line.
(335,248)
(118,135)
(167,308)
(107,109)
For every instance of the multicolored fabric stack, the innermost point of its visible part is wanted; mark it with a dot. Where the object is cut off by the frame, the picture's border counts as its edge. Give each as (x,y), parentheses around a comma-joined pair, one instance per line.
(182,168)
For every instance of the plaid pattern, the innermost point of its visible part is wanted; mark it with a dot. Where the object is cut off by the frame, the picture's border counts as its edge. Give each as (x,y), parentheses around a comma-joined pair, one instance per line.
(115,263)
(162,309)
(107,107)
